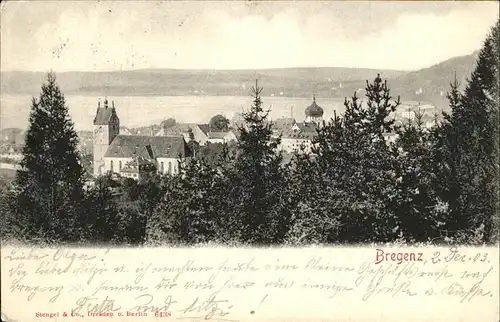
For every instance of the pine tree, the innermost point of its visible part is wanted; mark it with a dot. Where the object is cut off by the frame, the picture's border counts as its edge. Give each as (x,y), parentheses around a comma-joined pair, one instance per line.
(258,197)
(49,186)
(470,135)
(380,108)
(317,200)
(481,100)
(450,168)
(353,171)
(419,209)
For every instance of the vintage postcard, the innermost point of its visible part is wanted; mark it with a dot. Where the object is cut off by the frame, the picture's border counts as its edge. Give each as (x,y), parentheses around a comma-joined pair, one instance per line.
(249,161)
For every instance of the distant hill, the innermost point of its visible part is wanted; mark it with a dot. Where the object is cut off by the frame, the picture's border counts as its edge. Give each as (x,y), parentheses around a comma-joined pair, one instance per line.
(291,81)
(429,84)
(425,85)
(434,81)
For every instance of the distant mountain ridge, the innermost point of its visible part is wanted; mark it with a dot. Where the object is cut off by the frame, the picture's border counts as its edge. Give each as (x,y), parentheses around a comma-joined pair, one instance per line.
(428,84)
(184,82)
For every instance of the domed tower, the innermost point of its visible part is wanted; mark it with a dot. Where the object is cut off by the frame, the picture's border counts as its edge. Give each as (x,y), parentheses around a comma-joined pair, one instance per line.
(314,113)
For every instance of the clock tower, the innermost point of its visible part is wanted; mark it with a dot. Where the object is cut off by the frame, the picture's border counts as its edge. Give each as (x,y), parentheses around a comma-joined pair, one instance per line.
(106,128)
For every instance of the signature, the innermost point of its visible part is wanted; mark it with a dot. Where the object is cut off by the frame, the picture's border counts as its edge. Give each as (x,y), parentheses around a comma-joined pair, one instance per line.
(146,305)
(93,305)
(212,308)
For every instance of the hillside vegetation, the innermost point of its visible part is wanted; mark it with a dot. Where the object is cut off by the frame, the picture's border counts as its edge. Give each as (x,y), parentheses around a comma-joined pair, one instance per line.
(291,82)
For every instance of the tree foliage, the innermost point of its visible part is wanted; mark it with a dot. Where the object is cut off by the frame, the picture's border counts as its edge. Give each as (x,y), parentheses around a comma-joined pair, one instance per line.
(49,185)
(168,123)
(357,184)
(219,123)
(469,145)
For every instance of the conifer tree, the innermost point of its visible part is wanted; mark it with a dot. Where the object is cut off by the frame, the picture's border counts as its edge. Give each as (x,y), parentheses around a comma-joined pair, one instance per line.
(481,100)
(49,186)
(448,165)
(419,209)
(471,145)
(354,171)
(258,195)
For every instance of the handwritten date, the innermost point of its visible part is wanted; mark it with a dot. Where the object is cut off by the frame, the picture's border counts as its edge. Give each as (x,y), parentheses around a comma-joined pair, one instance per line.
(455,255)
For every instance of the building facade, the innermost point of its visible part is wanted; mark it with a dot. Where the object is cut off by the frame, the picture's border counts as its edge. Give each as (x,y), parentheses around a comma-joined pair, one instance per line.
(139,169)
(221,137)
(197,132)
(106,129)
(298,136)
(133,155)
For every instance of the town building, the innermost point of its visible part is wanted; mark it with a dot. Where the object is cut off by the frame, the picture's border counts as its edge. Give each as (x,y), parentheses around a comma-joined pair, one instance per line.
(11,153)
(222,137)
(282,124)
(200,133)
(132,155)
(139,169)
(298,136)
(197,132)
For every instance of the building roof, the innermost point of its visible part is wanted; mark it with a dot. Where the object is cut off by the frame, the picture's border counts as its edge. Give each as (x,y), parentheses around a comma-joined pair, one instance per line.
(314,110)
(307,127)
(303,130)
(148,147)
(205,128)
(283,123)
(182,129)
(105,115)
(217,135)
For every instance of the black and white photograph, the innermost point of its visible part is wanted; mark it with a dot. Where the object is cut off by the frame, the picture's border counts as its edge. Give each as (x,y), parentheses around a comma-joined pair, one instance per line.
(247,124)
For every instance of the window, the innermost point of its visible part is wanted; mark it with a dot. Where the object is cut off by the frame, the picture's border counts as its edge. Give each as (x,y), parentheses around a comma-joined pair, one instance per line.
(161,167)
(170,168)
(111,165)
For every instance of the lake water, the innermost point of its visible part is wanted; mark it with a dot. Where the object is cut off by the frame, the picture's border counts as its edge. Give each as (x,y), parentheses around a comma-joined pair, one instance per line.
(136,111)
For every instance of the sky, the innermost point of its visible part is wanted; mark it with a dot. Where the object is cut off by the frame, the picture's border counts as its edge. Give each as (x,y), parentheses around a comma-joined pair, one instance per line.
(124,35)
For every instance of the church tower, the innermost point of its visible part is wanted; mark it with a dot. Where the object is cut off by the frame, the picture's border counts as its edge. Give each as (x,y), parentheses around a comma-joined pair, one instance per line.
(314,113)
(106,128)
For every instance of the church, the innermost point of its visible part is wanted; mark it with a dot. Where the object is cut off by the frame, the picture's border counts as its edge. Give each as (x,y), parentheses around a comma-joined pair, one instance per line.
(298,135)
(132,156)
